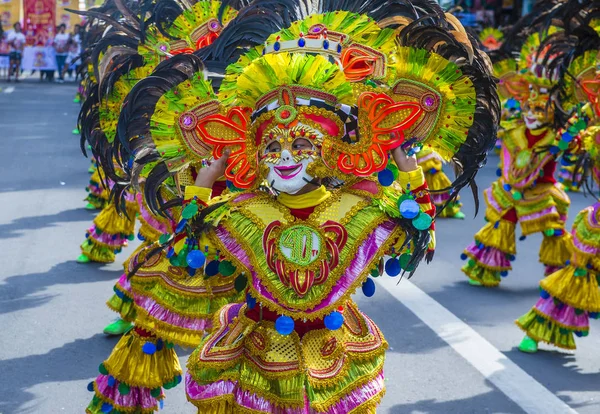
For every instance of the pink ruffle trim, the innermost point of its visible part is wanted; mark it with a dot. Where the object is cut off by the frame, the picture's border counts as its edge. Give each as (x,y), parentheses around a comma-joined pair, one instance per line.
(489,256)
(112,240)
(563,314)
(164,315)
(137,396)
(252,401)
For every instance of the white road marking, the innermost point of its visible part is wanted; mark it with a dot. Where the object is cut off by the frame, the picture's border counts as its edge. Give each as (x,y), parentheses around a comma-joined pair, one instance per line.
(9,89)
(514,382)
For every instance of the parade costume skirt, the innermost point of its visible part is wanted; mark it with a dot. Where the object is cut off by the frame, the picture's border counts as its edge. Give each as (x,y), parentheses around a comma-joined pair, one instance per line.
(172,304)
(570,296)
(542,208)
(437,180)
(97,195)
(246,366)
(110,232)
(132,378)
(150,230)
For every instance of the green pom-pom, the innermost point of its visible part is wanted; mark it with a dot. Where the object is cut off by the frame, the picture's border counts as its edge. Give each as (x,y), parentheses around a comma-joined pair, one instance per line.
(517,195)
(563,145)
(375,272)
(580,272)
(240,283)
(404,260)
(471,263)
(131,237)
(155,392)
(190,211)
(164,238)
(103,369)
(549,232)
(226,268)
(123,389)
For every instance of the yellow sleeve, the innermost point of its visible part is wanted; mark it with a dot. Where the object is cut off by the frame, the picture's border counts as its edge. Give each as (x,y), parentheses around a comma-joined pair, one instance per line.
(412,179)
(202,193)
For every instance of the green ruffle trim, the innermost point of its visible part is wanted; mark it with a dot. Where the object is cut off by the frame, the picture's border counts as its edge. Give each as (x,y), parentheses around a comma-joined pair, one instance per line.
(180,301)
(123,306)
(543,329)
(487,277)
(96,201)
(96,252)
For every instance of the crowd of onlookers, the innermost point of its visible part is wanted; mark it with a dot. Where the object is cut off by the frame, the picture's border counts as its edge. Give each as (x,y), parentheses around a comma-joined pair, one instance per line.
(66,46)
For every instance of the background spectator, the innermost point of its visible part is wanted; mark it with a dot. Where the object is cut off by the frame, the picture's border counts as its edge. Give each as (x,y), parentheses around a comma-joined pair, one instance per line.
(61,46)
(16,43)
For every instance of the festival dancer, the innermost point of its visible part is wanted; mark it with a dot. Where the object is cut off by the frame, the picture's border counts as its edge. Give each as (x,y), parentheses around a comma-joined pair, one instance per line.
(159,305)
(285,122)
(526,191)
(439,184)
(570,297)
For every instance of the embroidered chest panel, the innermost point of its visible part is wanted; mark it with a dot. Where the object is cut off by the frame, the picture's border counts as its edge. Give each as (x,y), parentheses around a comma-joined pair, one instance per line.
(306,267)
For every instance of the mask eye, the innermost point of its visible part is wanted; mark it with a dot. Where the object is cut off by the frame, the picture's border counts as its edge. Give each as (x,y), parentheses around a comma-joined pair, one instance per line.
(273,147)
(302,144)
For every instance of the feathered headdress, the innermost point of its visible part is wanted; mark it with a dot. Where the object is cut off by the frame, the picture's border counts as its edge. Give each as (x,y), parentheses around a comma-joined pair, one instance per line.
(336,77)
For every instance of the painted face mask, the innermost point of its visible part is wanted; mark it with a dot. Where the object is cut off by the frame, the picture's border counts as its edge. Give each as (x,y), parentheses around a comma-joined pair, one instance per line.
(287,156)
(535,114)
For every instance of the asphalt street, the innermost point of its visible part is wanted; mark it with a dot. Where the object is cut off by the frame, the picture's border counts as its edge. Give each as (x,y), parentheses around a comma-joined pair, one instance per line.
(52,310)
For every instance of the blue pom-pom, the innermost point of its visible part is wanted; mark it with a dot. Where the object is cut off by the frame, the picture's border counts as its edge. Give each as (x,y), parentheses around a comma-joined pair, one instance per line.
(195,259)
(463,256)
(504,273)
(334,321)
(284,325)
(522,237)
(579,334)
(409,208)
(385,177)
(178,379)
(140,237)
(106,408)
(250,301)
(568,262)
(566,137)
(212,268)
(594,315)
(160,345)
(512,257)
(558,232)
(170,252)
(119,294)
(433,171)
(544,294)
(149,348)
(565,163)
(180,226)
(392,267)
(554,150)
(90,386)
(507,187)
(496,224)
(368,287)
(110,381)
(499,172)
(301,42)
(191,271)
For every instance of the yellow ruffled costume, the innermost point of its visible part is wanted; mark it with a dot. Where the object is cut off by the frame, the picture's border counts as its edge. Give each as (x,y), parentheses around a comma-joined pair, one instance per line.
(570,296)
